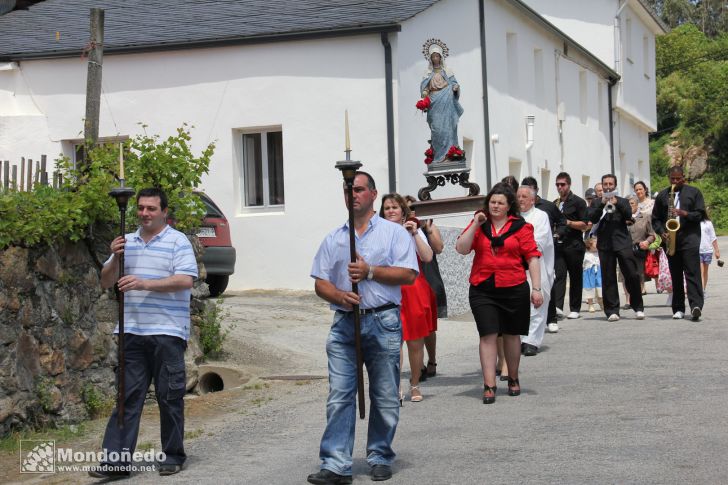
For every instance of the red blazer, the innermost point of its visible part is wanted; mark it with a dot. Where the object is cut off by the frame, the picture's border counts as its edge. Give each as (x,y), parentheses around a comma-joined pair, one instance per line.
(507,263)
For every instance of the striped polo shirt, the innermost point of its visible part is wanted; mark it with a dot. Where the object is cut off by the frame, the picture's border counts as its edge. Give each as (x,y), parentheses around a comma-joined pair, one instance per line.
(151,312)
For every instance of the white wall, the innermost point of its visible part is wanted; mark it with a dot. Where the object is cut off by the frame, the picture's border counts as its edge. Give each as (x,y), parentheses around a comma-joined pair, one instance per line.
(590,23)
(636,90)
(303,87)
(585,141)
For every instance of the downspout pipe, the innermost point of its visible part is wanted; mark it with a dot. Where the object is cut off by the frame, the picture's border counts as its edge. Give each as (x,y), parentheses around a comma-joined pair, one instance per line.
(484,77)
(610,86)
(389,93)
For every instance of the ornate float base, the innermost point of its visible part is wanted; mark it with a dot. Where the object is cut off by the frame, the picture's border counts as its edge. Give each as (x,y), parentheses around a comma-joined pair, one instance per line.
(456,174)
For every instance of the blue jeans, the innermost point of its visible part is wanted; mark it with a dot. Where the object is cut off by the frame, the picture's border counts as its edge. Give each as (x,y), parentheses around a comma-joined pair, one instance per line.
(381,338)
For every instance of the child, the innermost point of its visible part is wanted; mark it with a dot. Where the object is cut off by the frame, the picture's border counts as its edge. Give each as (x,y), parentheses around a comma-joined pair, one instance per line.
(592,275)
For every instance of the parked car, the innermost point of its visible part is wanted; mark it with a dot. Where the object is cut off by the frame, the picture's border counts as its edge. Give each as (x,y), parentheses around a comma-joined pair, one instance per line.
(219,255)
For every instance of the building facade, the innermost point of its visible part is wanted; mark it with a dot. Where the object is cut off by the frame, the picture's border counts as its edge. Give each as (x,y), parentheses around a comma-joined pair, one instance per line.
(536,99)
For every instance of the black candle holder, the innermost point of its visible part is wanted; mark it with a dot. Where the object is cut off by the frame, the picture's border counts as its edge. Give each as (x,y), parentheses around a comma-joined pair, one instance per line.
(122,194)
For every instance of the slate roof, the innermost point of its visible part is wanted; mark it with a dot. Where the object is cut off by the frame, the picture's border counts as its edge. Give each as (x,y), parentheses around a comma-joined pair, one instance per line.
(135,25)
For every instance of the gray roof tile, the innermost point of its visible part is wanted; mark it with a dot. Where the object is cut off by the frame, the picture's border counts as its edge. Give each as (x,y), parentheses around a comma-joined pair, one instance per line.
(153,24)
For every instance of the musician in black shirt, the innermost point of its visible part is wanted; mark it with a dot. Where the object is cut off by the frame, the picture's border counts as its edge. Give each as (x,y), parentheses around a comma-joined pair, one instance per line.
(570,246)
(689,210)
(615,244)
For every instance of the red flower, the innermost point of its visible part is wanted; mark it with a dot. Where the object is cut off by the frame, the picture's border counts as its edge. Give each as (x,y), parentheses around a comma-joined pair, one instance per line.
(423,104)
(428,160)
(429,152)
(455,153)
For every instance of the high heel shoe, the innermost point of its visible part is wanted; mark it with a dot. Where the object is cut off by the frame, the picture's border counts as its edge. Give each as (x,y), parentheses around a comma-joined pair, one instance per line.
(433,372)
(401,398)
(489,394)
(418,396)
(512,385)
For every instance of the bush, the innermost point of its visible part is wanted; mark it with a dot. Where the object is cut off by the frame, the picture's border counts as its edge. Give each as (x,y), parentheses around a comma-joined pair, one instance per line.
(212,335)
(46,215)
(97,403)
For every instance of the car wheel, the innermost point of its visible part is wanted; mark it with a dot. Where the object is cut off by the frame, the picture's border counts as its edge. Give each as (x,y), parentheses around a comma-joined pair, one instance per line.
(217,284)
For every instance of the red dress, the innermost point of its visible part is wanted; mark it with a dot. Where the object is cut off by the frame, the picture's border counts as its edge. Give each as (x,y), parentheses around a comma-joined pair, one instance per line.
(419,308)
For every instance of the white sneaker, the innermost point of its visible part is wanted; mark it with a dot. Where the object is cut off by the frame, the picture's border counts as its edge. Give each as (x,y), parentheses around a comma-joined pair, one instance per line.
(640,315)
(572,315)
(552,327)
(678,316)
(559,313)
(592,309)
(613,318)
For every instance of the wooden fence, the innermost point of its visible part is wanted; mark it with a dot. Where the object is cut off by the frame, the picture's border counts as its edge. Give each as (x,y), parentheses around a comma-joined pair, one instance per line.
(28,177)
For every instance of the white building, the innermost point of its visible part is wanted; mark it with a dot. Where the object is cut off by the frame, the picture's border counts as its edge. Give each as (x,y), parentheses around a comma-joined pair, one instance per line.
(270,85)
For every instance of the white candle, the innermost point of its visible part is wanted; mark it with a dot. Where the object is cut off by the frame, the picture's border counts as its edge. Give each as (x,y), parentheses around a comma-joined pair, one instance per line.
(121,161)
(346,130)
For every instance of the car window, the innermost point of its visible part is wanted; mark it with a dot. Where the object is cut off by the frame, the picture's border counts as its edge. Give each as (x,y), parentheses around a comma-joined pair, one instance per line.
(210,207)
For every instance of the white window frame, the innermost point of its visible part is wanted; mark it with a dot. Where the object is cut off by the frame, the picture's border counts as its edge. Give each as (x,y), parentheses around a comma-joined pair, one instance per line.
(266,207)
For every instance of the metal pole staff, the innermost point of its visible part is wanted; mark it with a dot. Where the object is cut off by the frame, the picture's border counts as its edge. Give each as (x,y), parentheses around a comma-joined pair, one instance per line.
(348,169)
(122,194)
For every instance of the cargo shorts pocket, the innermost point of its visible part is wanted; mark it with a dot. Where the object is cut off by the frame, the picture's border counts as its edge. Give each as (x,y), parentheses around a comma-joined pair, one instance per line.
(176,380)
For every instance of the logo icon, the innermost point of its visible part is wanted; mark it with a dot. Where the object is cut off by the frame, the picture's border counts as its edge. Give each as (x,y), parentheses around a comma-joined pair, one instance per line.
(37,456)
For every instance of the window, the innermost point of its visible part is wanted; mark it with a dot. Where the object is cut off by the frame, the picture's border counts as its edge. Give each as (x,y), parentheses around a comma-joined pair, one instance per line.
(538,77)
(512,60)
(262,169)
(601,87)
(584,183)
(545,183)
(628,39)
(514,168)
(646,56)
(583,99)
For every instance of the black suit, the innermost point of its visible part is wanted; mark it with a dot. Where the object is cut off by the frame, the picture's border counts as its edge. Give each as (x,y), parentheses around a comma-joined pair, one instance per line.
(558,223)
(687,254)
(615,244)
(569,254)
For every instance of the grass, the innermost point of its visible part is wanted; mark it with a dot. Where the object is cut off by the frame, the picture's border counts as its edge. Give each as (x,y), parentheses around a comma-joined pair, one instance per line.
(193,434)
(11,443)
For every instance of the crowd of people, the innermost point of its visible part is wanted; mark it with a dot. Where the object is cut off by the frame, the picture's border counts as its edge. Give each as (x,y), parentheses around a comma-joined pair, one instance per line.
(524,249)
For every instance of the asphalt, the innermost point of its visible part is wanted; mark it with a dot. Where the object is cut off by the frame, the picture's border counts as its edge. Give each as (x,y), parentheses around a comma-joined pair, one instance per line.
(613,403)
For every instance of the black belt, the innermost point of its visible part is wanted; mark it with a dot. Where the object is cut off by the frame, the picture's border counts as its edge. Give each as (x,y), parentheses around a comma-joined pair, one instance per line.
(369,311)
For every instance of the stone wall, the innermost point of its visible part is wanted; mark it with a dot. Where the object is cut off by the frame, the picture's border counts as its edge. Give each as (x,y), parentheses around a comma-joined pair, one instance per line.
(57,348)
(455,271)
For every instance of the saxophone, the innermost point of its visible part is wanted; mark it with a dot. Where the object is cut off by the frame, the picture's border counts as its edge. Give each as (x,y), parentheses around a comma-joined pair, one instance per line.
(672,224)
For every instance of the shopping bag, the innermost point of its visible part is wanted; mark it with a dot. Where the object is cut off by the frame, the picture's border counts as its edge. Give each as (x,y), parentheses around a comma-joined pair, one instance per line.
(664,281)
(652,265)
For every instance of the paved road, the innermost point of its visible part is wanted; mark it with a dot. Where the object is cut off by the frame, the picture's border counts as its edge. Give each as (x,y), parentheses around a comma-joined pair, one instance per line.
(626,402)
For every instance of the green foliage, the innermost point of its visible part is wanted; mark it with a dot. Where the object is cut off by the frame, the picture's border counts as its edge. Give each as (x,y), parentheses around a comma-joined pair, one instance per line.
(46,214)
(42,387)
(96,402)
(212,335)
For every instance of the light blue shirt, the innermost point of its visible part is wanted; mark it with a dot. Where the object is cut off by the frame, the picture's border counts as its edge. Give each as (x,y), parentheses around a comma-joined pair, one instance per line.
(384,243)
(153,312)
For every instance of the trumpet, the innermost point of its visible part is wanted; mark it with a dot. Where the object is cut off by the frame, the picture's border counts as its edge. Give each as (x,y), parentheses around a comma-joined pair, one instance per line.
(609,208)
(672,224)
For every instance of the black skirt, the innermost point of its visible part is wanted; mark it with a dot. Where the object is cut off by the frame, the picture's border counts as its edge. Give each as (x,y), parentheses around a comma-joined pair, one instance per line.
(501,310)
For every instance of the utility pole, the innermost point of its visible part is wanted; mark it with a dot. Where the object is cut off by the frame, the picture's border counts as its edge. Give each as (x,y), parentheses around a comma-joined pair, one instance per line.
(95,50)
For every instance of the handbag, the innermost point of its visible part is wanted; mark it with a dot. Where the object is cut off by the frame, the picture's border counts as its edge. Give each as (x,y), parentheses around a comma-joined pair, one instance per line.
(652,265)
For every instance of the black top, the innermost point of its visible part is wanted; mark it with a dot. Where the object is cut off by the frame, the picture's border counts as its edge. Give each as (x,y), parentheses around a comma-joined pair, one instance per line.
(612,232)
(573,209)
(556,218)
(691,200)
